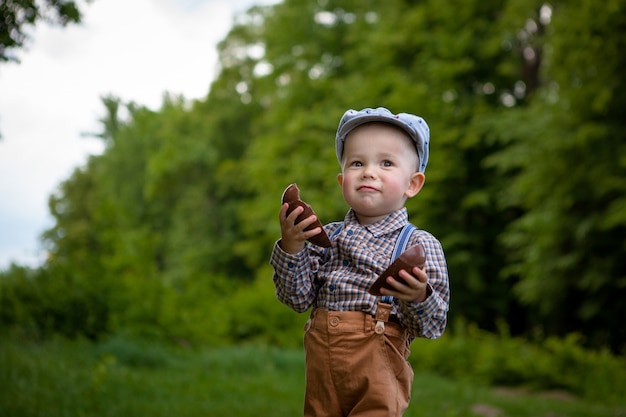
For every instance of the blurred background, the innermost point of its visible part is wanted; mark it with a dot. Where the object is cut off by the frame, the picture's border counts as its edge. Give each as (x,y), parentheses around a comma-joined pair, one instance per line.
(147,145)
(137,51)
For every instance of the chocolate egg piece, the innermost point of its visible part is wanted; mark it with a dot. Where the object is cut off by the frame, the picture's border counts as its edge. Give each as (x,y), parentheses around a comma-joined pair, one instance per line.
(291,195)
(412,257)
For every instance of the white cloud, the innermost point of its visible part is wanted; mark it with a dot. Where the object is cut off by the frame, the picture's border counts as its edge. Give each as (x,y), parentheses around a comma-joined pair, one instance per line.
(135,50)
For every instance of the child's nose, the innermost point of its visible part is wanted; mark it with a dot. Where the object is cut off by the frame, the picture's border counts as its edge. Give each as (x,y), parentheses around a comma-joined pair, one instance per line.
(369,171)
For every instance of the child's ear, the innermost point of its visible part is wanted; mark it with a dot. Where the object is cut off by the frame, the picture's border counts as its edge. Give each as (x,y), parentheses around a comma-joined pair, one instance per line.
(415,184)
(340,179)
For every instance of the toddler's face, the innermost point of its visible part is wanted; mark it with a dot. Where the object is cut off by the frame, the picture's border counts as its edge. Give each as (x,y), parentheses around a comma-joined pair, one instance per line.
(379,171)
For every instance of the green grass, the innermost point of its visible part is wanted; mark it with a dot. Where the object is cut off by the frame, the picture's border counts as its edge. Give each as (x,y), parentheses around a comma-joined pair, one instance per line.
(121,378)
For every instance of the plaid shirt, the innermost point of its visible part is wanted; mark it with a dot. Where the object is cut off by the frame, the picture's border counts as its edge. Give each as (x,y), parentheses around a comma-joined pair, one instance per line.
(338,278)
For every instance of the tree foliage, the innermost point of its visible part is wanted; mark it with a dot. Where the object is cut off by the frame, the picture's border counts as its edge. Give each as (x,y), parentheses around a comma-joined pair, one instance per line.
(566,152)
(175,221)
(17,15)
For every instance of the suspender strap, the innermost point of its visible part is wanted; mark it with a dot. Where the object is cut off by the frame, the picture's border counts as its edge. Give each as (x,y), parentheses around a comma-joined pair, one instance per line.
(383,309)
(401,244)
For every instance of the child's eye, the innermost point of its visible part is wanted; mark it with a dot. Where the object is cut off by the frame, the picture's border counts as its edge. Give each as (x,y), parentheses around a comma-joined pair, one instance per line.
(356,164)
(387,163)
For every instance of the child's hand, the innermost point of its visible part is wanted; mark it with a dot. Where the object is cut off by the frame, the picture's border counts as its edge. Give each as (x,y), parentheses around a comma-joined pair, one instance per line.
(293,236)
(415,290)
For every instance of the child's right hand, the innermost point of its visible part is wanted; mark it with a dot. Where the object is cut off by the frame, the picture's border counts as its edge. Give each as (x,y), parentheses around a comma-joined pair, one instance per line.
(293,236)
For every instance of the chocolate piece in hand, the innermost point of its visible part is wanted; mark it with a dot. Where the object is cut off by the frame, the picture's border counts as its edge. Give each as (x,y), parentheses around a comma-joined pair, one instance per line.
(291,195)
(412,257)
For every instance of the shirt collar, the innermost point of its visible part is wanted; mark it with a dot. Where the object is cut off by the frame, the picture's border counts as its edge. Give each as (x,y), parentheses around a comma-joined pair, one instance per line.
(390,223)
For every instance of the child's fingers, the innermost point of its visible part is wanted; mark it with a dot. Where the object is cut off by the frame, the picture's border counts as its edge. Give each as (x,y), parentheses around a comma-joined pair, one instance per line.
(310,233)
(411,283)
(307,222)
(420,274)
(291,218)
(283,212)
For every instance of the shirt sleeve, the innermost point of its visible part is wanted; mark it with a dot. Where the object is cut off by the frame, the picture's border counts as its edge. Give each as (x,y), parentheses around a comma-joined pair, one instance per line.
(293,278)
(429,318)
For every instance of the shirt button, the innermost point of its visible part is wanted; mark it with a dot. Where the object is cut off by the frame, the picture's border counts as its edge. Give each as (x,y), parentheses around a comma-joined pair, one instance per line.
(346,262)
(350,232)
(290,264)
(334,321)
(331,287)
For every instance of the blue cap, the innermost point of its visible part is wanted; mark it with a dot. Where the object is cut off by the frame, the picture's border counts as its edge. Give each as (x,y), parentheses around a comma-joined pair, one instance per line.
(413,125)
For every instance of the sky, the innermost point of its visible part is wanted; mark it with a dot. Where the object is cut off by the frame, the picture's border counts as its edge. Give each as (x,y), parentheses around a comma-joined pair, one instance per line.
(136,50)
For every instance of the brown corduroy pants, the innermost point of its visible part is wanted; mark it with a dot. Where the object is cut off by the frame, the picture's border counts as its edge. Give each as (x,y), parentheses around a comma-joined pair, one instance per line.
(353,370)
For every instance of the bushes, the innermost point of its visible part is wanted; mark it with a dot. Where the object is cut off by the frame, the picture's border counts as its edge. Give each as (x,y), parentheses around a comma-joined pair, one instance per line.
(256,315)
(469,353)
(42,306)
(201,314)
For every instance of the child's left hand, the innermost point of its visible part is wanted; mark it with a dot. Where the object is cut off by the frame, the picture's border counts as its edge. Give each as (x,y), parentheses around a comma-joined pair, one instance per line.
(415,290)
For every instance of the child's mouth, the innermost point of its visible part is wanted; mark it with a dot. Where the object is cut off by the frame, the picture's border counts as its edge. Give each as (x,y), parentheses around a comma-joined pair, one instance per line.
(367,188)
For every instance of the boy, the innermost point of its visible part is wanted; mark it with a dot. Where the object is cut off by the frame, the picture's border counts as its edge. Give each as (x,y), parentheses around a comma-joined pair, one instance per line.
(353,368)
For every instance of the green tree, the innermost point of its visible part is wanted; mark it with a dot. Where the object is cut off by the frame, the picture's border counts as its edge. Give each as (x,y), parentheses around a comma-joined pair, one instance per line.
(176,219)
(16,16)
(474,70)
(154,217)
(566,152)
(342,54)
